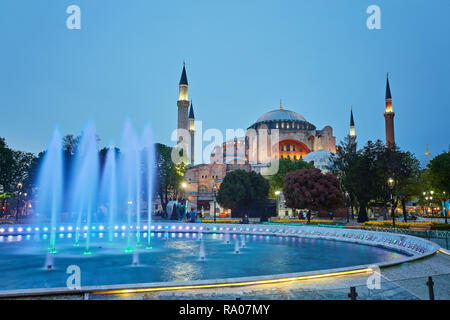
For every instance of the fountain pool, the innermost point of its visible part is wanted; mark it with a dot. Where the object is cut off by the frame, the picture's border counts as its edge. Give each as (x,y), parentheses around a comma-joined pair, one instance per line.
(174,257)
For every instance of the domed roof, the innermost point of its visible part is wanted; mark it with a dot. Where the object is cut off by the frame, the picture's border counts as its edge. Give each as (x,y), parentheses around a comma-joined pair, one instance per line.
(321,159)
(280,114)
(318,154)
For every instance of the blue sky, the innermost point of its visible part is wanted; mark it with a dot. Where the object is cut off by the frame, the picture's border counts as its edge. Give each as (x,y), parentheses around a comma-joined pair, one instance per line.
(241,58)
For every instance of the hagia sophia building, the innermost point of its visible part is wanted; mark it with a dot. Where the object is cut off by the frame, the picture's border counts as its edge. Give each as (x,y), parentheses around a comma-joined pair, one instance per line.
(277,134)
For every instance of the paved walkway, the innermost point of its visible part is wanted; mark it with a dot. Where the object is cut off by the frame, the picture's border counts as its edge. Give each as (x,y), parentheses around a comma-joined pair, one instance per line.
(402,282)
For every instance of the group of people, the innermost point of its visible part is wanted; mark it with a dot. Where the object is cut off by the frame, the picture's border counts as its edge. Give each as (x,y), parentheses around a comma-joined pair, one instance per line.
(303,215)
(193,215)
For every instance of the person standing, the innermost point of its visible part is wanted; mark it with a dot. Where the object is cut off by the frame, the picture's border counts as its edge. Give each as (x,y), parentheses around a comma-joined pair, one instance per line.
(192,215)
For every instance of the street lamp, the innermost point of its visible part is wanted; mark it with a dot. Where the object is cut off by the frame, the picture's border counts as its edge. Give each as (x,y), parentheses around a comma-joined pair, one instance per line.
(429,198)
(444,207)
(277,193)
(391,184)
(348,203)
(19,187)
(214,193)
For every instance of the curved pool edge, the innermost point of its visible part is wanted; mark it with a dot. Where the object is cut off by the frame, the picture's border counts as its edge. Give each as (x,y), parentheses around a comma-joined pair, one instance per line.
(416,248)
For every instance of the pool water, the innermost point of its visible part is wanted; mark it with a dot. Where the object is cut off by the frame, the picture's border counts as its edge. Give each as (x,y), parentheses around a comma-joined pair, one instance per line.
(175,258)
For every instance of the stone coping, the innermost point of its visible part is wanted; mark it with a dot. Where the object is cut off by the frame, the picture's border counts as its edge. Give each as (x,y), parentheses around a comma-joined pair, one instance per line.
(414,247)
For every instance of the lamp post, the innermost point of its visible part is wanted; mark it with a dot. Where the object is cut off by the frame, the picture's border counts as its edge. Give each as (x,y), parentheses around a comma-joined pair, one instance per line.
(214,194)
(391,184)
(19,187)
(444,207)
(277,193)
(348,208)
(429,198)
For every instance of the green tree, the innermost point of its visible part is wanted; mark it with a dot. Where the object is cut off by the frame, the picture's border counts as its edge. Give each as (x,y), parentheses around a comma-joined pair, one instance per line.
(240,190)
(342,163)
(6,166)
(439,172)
(169,175)
(15,168)
(285,166)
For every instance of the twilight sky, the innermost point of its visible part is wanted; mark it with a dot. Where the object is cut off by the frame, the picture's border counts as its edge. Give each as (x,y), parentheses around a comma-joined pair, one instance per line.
(241,56)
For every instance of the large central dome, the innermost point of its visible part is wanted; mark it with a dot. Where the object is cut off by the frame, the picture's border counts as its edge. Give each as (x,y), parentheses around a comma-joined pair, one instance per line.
(280,115)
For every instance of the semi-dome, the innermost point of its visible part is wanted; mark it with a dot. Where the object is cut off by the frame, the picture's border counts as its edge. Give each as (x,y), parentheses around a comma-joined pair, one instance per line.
(280,115)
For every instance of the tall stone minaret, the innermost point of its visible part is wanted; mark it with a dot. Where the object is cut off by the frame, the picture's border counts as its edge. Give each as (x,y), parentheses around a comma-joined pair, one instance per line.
(183,106)
(352,124)
(192,131)
(389,117)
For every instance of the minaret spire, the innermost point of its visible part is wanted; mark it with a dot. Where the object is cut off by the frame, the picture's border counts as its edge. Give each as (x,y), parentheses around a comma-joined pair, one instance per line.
(281,105)
(183,117)
(183,79)
(192,132)
(191,111)
(352,124)
(389,116)
(388,88)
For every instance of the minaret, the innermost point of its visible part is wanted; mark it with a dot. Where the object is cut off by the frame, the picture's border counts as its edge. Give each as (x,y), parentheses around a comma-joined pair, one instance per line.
(352,124)
(183,106)
(389,116)
(427,153)
(192,130)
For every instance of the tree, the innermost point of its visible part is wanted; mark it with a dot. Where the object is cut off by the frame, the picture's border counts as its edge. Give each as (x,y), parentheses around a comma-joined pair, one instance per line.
(169,175)
(14,169)
(285,166)
(6,166)
(241,189)
(405,170)
(439,170)
(313,190)
(342,163)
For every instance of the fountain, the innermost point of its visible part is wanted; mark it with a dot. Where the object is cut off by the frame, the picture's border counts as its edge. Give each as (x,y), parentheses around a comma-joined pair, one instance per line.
(49,261)
(227,238)
(51,182)
(202,251)
(108,188)
(149,160)
(135,258)
(242,241)
(236,247)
